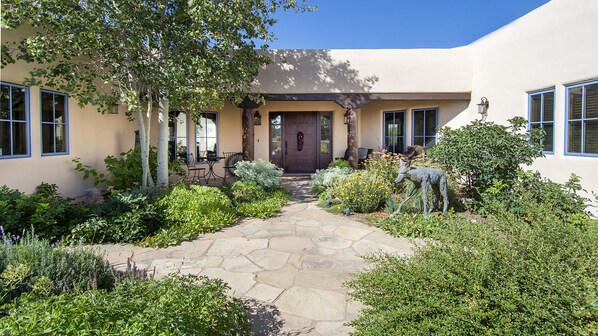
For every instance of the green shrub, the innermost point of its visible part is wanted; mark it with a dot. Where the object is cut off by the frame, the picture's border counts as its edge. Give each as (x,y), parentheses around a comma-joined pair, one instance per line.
(361,191)
(124,171)
(30,264)
(265,207)
(384,164)
(482,152)
(176,305)
(339,163)
(264,173)
(503,277)
(45,211)
(417,225)
(190,211)
(531,195)
(247,191)
(322,179)
(124,217)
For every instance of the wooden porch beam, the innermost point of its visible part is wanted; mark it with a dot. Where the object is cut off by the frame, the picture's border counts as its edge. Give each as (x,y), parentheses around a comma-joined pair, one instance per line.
(248,129)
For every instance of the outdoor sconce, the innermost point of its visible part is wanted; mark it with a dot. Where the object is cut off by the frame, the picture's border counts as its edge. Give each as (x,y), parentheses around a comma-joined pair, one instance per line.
(346,118)
(257,118)
(483,106)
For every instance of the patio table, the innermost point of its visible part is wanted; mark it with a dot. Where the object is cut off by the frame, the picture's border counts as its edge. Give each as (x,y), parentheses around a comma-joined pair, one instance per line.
(210,160)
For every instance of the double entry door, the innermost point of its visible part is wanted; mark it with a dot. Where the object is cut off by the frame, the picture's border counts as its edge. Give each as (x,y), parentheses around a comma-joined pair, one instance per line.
(301,142)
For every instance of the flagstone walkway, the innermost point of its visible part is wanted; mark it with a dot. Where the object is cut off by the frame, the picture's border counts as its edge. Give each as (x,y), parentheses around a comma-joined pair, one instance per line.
(289,269)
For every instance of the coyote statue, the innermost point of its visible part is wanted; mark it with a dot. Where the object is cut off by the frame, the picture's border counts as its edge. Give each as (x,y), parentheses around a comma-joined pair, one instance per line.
(426,177)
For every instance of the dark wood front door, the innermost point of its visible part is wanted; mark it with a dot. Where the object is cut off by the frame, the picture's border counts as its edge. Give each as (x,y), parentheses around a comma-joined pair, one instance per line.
(300,142)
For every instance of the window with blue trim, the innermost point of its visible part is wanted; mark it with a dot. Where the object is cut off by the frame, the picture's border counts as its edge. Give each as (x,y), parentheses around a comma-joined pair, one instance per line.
(394,131)
(541,115)
(206,134)
(14,120)
(54,116)
(582,119)
(425,126)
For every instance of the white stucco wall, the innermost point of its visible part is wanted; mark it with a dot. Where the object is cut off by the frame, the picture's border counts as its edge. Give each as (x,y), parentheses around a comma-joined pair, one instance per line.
(553,46)
(363,70)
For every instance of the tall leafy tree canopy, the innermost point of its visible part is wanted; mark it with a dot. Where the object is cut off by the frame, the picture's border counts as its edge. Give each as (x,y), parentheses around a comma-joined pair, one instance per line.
(192,54)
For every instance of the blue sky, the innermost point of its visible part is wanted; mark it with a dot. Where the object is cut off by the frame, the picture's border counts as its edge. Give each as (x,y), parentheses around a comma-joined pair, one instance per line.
(371,24)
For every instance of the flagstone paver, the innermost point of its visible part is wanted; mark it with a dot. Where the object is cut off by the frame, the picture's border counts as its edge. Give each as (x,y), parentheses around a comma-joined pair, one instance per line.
(290,268)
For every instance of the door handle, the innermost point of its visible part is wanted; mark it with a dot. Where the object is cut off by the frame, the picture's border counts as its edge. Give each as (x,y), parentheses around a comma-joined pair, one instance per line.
(286,147)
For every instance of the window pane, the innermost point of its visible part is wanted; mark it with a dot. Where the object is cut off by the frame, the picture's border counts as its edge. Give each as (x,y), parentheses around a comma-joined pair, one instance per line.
(47,138)
(592,101)
(548,139)
(430,123)
(575,103)
(574,138)
(418,123)
(389,124)
(276,147)
(324,147)
(19,138)
(47,108)
(5,138)
(60,131)
(59,108)
(5,103)
(430,141)
(591,140)
(535,126)
(325,128)
(211,124)
(418,141)
(211,146)
(18,104)
(536,108)
(549,106)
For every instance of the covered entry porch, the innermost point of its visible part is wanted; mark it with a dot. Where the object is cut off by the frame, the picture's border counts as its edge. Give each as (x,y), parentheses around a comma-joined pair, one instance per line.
(304,132)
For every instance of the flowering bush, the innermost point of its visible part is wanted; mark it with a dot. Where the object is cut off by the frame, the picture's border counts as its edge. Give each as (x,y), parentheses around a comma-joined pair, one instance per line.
(361,191)
(264,173)
(324,178)
(384,164)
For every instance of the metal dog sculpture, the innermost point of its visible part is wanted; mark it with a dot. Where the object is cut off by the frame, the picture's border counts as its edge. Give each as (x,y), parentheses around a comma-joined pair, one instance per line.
(426,177)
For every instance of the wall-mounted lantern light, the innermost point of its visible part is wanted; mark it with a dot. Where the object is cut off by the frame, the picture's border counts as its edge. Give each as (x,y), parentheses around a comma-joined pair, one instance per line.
(257,118)
(483,106)
(346,118)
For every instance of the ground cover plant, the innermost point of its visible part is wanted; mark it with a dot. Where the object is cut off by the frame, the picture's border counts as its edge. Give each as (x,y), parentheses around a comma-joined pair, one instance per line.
(504,276)
(175,305)
(46,289)
(189,211)
(361,191)
(251,200)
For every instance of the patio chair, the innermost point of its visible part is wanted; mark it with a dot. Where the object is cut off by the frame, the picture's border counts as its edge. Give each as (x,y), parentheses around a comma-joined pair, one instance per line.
(230,161)
(362,155)
(192,167)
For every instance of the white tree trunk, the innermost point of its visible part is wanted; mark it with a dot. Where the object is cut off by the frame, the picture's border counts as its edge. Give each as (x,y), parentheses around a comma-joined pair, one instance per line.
(162,165)
(143,125)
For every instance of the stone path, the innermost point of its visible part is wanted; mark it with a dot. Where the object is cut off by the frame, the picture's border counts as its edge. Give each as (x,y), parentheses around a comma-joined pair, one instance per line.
(289,269)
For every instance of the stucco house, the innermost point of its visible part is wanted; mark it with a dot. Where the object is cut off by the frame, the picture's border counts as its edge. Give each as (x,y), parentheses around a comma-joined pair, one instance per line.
(543,66)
